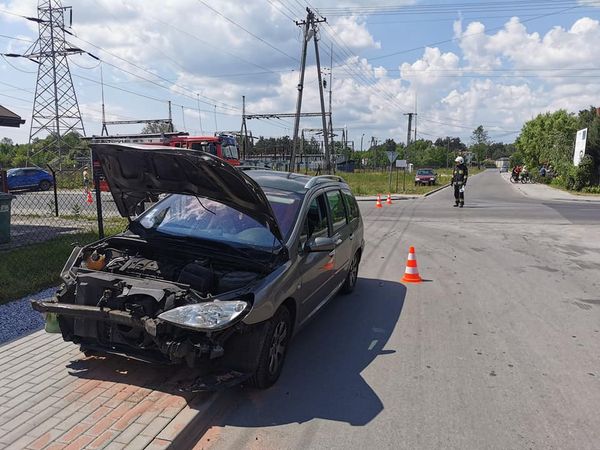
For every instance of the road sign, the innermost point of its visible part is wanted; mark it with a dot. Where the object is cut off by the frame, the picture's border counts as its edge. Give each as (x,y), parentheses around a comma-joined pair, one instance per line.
(580,146)
(392,156)
(401,164)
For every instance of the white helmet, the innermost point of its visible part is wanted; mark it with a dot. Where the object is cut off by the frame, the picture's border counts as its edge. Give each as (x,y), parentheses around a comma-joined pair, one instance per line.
(459,159)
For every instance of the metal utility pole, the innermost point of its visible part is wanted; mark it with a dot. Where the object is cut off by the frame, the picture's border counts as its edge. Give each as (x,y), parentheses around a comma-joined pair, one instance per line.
(310,30)
(104,131)
(415,116)
(199,114)
(216,126)
(330,85)
(244,129)
(170,117)
(55,108)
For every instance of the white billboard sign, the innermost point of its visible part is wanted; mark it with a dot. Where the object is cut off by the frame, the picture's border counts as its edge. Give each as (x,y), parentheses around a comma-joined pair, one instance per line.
(580,142)
(401,163)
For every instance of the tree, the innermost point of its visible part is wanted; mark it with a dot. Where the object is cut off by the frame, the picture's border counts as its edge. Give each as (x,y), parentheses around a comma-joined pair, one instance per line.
(453,143)
(548,139)
(480,143)
(157,128)
(590,119)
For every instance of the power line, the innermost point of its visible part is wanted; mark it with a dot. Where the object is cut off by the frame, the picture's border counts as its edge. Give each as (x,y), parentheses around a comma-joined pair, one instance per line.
(16,38)
(248,31)
(274,5)
(446,41)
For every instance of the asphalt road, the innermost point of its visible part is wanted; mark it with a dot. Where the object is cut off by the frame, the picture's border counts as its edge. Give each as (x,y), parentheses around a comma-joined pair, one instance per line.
(498,349)
(42,203)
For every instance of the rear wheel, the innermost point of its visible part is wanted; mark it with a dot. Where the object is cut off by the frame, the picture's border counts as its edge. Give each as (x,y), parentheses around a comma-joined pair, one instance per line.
(352,276)
(272,355)
(44,185)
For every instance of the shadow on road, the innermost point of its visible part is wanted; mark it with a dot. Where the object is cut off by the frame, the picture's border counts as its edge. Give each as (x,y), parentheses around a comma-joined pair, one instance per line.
(322,375)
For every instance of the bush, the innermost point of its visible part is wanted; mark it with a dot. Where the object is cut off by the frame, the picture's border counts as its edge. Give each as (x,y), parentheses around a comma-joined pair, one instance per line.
(591,190)
(581,176)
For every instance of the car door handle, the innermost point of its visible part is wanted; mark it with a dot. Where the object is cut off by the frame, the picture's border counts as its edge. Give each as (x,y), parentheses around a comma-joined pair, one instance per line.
(338,242)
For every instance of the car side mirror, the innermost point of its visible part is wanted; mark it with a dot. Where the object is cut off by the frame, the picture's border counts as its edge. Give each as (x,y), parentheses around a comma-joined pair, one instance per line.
(319,244)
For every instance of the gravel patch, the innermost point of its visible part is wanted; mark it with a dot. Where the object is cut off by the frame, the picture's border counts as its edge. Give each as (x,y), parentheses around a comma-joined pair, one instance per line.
(17,318)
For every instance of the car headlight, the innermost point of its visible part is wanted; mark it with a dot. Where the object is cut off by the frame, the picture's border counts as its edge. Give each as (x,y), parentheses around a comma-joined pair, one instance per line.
(417,179)
(207,316)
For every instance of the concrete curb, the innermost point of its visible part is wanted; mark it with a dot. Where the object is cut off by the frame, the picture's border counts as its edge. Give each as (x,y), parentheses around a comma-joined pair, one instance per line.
(446,185)
(436,190)
(549,193)
(384,197)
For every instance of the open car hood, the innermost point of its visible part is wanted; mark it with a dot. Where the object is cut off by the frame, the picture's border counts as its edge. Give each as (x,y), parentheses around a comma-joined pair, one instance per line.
(134,171)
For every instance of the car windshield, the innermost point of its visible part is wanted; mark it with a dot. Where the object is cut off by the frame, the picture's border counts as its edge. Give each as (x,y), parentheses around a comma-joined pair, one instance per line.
(424,172)
(200,218)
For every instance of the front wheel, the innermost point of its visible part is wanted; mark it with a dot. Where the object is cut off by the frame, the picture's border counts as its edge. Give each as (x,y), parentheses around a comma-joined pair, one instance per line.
(272,355)
(352,276)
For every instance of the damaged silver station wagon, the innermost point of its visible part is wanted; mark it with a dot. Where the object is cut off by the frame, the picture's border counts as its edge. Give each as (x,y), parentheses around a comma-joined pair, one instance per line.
(218,274)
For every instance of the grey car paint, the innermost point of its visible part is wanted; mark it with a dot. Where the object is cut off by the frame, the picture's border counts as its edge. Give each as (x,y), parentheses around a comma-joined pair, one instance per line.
(289,280)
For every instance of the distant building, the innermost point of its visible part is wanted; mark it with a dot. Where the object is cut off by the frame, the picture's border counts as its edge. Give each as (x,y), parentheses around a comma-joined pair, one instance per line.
(503,164)
(9,118)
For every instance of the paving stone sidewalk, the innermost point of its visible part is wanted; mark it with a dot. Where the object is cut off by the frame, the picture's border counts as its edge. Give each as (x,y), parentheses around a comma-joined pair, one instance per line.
(53,397)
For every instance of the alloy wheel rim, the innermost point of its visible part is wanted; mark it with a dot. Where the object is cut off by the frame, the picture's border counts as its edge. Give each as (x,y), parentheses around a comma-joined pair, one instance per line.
(277,349)
(354,271)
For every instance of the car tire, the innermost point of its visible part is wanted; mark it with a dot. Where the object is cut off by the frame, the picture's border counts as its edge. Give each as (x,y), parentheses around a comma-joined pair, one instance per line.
(274,349)
(44,185)
(352,276)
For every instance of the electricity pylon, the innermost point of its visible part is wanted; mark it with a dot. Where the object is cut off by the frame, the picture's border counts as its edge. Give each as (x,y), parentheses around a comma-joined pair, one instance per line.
(55,108)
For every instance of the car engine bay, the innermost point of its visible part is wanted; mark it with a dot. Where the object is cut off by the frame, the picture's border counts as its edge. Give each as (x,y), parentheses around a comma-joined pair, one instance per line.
(118,287)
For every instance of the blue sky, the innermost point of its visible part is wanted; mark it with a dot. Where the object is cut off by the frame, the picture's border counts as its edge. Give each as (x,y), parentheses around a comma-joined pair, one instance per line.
(465,63)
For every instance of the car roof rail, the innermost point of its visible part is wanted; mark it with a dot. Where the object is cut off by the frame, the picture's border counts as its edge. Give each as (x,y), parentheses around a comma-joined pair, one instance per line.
(319,179)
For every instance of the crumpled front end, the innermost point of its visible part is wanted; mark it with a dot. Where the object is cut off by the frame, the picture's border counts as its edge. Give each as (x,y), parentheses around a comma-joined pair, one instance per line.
(117,310)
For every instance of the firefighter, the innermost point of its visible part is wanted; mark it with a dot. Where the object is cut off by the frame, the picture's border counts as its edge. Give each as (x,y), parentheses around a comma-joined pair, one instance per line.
(459,181)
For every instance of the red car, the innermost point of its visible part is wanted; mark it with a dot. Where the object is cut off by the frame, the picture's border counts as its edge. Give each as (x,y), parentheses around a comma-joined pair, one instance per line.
(425,176)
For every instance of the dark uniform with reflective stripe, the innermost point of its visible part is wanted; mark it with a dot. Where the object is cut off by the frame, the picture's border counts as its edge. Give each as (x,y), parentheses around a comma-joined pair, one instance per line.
(459,179)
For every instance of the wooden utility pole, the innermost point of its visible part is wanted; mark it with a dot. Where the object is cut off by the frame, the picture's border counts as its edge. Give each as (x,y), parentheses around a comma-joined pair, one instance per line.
(310,30)
(408,134)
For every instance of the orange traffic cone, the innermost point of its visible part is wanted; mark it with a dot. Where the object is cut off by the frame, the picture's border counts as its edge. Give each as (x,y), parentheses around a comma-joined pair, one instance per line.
(411,274)
(89,199)
(378,204)
(389,199)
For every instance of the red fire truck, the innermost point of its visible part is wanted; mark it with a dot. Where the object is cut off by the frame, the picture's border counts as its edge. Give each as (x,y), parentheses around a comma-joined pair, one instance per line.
(224,146)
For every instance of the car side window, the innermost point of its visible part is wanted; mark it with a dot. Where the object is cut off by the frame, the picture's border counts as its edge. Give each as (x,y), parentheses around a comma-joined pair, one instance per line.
(338,210)
(316,223)
(351,204)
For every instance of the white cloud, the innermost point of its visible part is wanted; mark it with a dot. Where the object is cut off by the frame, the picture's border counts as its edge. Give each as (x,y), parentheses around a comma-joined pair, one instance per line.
(183,41)
(429,70)
(352,31)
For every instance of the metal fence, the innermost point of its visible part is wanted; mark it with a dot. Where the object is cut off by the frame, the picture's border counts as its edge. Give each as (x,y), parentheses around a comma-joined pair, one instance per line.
(62,211)
(44,227)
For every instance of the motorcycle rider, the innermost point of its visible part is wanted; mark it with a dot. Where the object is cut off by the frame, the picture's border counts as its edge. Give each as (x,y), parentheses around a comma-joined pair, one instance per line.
(459,181)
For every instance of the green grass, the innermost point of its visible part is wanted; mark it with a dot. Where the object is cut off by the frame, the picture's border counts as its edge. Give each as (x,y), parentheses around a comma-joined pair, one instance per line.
(29,269)
(373,183)
(35,267)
